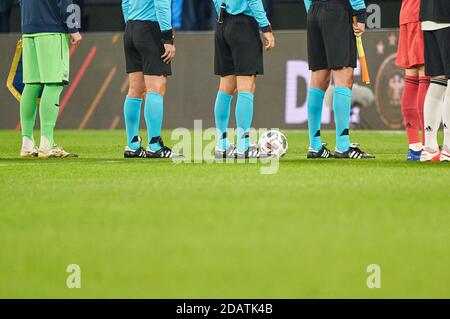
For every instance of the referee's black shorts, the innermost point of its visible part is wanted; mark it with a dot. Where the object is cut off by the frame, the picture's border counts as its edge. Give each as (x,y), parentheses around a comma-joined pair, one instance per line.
(238,47)
(437,52)
(143,43)
(331,40)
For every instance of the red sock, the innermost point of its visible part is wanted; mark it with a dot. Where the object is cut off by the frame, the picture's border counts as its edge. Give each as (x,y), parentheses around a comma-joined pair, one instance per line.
(424,84)
(410,109)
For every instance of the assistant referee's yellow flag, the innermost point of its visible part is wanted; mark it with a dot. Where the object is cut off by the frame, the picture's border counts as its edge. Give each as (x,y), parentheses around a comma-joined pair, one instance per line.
(362,58)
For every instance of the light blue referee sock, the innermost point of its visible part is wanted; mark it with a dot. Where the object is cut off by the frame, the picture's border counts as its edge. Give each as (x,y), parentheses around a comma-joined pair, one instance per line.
(244,117)
(132,113)
(222,117)
(342,106)
(315,105)
(153,112)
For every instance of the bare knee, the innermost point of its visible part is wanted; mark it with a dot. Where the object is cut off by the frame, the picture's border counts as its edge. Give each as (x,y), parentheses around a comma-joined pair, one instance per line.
(320,79)
(343,77)
(348,83)
(136,92)
(439,78)
(156,84)
(246,84)
(413,72)
(136,87)
(228,84)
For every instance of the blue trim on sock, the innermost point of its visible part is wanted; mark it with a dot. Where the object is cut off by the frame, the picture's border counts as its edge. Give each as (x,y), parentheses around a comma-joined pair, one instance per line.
(315,106)
(244,117)
(342,106)
(153,112)
(222,117)
(132,116)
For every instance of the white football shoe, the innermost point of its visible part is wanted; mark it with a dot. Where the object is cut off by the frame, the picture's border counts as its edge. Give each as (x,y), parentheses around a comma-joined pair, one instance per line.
(28,149)
(445,155)
(429,155)
(52,151)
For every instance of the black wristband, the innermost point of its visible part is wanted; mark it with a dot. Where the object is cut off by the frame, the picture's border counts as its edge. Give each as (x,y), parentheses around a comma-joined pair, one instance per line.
(361,15)
(267,29)
(168,36)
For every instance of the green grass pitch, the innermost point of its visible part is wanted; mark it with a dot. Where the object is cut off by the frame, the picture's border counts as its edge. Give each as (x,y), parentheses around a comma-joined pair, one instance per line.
(155,229)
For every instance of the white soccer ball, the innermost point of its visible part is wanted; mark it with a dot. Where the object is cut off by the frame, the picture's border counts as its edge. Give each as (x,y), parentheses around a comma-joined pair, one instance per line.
(273,143)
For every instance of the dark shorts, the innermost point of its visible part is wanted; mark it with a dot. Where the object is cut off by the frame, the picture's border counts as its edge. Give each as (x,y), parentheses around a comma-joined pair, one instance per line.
(144,47)
(437,52)
(331,41)
(238,47)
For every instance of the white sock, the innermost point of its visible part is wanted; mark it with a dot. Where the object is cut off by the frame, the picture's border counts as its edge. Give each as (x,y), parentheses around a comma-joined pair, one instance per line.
(416,147)
(446,117)
(27,143)
(45,144)
(433,112)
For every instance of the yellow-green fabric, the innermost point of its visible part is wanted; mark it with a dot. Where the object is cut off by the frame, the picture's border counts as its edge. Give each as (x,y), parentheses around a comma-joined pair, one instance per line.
(46,58)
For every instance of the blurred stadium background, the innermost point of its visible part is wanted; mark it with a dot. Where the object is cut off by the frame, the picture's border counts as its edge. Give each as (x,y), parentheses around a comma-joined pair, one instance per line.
(97,70)
(195,15)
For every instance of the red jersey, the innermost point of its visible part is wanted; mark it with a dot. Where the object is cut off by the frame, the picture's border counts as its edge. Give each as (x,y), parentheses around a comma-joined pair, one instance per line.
(410,11)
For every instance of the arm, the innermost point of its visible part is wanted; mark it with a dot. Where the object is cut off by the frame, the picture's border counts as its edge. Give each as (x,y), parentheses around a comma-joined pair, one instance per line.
(359,10)
(257,8)
(66,14)
(308,4)
(164,14)
(217,6)
(259,13)
(125,9)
